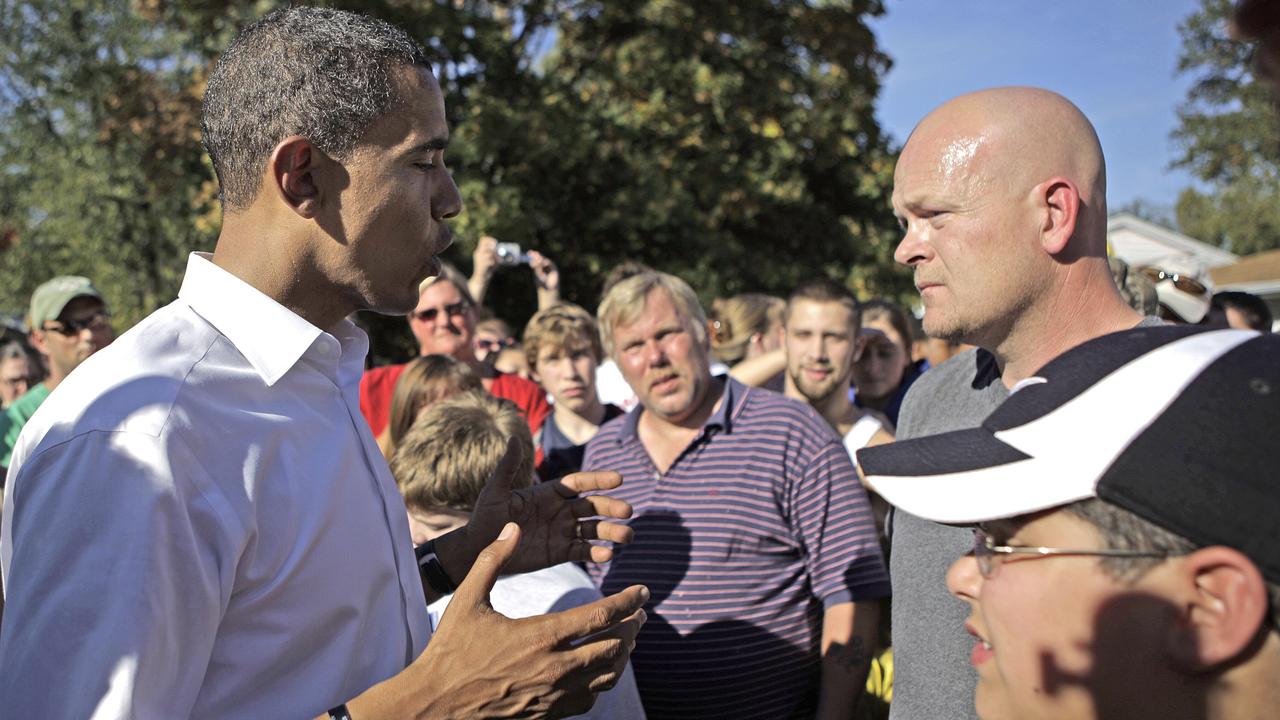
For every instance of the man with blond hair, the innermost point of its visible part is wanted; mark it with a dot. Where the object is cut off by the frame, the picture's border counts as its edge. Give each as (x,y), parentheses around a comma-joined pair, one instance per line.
(1001,195)
(562,345)
(751,528)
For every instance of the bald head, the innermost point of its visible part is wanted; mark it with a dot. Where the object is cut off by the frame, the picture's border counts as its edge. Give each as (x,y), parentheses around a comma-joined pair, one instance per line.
(1012,140)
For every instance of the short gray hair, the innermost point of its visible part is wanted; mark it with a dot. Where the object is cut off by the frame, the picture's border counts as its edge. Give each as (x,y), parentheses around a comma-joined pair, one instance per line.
(1123,530)
(324,74)
(625,302)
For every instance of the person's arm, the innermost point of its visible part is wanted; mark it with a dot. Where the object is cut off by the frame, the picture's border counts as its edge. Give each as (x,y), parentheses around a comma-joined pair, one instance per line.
(760,369)
(117,579)
(483,262)
(482,664)
(547,277)
(848,637)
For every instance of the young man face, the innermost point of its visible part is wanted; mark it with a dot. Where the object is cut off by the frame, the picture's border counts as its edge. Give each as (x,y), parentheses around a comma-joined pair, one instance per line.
(821,342)
(568,373)
(1057,636)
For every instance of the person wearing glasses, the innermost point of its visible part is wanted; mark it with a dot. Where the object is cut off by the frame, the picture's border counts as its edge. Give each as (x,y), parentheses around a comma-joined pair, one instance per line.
(1123,562)
(69,322)
(444,323)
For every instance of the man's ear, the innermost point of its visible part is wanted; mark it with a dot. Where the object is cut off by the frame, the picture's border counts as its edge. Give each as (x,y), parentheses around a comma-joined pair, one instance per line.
(293,175)
(1059,200)
(1224,609)
(36,336)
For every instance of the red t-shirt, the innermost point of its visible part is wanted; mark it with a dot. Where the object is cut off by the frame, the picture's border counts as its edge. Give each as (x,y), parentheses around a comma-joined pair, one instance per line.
(378,384)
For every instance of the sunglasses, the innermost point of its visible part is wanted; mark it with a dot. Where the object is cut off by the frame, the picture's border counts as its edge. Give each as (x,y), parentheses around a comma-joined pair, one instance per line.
(95,322)
(452,310)
(1186,284)
(493,345)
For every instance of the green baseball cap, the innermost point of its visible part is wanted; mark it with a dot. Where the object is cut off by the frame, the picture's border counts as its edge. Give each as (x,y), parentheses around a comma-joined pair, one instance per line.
(48,301)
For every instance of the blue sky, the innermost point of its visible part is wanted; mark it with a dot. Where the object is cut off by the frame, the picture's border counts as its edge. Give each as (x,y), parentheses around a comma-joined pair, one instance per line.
(1116,59)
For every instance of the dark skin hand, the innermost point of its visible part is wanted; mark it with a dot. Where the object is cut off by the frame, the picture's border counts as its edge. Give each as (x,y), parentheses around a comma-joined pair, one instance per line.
(551,515)
(481,664)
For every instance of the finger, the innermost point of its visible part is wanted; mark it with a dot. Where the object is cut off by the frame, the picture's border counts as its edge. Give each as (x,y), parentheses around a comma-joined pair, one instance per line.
(503,476)
(589,482)
(603,614)
(476,586)
(611,532)
(602,506)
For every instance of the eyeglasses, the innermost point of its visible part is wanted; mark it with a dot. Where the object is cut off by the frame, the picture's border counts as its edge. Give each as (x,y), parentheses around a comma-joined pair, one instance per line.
(96,322)
(452,310)
(1184,283)
(493,345)
(985,551)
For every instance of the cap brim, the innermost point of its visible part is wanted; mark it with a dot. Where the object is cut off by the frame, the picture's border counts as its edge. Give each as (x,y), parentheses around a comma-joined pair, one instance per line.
(966,477)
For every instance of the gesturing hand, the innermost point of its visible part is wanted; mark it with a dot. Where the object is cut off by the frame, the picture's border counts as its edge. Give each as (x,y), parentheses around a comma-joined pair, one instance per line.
(480,663)
(551,518)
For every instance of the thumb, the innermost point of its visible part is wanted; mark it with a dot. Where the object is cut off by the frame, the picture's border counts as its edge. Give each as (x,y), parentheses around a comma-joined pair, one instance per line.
(500,481)
(476,586)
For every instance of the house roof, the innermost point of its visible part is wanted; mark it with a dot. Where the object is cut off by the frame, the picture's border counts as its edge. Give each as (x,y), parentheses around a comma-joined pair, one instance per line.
(1139,242)
(1258,273)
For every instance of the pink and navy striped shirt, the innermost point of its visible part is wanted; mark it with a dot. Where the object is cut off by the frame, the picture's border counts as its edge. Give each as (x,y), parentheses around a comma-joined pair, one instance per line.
(757,527)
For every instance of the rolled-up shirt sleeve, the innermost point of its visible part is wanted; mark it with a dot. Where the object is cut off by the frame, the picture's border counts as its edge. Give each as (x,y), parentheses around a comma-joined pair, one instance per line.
(119,562)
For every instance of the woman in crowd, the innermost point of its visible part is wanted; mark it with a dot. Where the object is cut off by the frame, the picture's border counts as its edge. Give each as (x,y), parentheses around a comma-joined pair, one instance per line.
(427,380)
(746,326)
(884,369)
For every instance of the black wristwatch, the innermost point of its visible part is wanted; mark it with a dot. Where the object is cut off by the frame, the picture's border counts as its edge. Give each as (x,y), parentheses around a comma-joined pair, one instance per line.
(432,570)
(340,713)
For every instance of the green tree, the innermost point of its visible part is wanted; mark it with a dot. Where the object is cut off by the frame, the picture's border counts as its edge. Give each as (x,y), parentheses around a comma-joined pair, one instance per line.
(733,143)
(1230,139)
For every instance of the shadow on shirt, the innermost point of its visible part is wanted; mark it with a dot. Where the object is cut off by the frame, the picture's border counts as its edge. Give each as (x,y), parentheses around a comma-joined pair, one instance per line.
(692,675)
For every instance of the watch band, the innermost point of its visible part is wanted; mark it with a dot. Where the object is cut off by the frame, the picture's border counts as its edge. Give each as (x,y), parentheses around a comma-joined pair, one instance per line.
(340,713)
(432,570)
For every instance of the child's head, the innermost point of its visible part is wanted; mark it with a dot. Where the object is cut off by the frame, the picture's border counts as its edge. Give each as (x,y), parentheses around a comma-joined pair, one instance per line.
(426,380)
(446,457)
(562,345)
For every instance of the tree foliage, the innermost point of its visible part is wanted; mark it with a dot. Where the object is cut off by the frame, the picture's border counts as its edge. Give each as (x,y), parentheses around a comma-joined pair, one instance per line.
(1230,138)
(730,142)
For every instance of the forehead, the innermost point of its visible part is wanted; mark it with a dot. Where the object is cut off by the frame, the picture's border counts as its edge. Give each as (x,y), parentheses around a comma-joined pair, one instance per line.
(940,164)
(819,313)
(415,121)
(440,293)
(659,312)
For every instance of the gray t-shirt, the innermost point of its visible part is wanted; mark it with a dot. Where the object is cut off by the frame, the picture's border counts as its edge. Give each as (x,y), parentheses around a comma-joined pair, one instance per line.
(933,679)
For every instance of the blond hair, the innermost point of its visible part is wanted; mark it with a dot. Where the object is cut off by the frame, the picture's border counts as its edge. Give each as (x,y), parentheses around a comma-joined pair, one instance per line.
(735,320)
(447,456)
(563,326)
(425,380)
(626,301)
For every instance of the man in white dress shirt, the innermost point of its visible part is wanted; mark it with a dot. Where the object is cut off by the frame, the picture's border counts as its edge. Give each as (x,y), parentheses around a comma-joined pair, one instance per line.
(199,523)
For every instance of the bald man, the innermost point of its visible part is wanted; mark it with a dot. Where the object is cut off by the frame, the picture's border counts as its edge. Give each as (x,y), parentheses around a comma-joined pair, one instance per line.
(1001,195)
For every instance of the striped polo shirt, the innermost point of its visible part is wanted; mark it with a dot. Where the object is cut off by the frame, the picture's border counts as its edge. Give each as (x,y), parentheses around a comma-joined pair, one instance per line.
(757,527)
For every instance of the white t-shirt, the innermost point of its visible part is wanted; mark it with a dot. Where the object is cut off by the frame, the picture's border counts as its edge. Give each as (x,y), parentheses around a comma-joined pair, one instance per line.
(860,434)
(553,589)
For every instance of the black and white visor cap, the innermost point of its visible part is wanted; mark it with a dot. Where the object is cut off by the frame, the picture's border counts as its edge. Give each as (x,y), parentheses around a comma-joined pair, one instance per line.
(1177,424)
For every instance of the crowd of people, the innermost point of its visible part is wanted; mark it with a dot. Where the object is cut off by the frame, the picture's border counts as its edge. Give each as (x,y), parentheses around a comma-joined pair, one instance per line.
(1051,496)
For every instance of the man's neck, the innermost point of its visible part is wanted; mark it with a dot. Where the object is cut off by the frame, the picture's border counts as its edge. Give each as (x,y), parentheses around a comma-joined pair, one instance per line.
(835,408)
(1060,323)
(579,426)
(277,267)
(665,439)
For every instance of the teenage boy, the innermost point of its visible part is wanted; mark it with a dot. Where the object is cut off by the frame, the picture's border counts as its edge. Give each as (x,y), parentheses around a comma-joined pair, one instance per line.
(1125,562)
(562,345)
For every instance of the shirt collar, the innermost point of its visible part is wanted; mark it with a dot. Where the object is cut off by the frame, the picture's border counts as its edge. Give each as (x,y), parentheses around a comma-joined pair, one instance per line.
(271,337)
(718,420)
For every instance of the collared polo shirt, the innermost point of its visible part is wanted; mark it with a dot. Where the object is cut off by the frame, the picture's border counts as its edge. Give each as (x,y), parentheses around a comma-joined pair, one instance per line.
(757,527)
(199,524)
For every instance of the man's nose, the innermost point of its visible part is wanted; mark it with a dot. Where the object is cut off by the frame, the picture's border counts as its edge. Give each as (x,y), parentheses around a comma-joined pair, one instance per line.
(964,580)
(448,200)
(912,249)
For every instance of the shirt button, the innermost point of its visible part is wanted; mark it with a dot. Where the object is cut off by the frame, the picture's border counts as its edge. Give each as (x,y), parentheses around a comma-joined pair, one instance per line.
(323,348)
(657,476)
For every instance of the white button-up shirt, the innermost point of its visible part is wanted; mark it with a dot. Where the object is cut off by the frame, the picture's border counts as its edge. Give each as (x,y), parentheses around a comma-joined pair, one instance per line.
(198,523)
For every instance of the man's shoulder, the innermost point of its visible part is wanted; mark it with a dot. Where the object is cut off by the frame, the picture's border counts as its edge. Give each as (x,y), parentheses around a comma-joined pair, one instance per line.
(956,394)
(132,384)
(760,408)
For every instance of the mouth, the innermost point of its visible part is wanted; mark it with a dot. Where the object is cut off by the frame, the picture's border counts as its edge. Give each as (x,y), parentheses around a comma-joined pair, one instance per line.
(573,392)
(982,650)
(664,384)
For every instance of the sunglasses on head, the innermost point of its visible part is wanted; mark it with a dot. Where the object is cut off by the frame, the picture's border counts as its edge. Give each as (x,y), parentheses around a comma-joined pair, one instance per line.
(95,322)
(1185,283)
(452,310)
